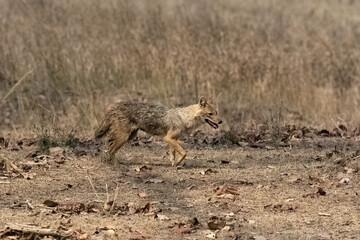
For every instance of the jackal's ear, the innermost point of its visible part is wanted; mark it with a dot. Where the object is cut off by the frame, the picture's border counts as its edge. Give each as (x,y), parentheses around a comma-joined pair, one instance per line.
(202,101)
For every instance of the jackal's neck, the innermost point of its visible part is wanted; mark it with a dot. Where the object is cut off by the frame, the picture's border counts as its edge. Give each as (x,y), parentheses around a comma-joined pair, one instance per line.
(191,115)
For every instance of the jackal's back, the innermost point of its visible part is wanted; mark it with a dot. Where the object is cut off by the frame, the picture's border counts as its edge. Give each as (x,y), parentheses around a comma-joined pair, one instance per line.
(150,118)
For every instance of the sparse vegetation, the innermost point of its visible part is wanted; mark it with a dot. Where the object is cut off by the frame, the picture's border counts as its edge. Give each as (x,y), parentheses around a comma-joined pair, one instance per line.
(84,56)
(53,137)
(275,123)
(229,137)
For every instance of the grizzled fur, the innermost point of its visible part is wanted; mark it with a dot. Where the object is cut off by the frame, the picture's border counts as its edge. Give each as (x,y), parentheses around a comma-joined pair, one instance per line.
(124,120)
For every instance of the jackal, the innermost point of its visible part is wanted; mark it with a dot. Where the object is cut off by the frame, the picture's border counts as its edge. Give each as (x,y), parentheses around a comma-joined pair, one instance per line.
(124,120)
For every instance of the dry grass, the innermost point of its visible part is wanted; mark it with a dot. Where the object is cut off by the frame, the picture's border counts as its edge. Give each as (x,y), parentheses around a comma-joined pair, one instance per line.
(86,54)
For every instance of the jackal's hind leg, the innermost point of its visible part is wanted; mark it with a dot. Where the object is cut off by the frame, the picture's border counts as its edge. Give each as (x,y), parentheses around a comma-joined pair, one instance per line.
(116,142)
(133,134)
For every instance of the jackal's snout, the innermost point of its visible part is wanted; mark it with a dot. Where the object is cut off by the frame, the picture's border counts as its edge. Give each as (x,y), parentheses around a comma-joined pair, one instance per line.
(211,123)
(214,123)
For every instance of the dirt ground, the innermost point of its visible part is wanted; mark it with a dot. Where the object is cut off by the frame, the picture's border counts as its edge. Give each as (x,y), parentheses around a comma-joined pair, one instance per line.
(308,189)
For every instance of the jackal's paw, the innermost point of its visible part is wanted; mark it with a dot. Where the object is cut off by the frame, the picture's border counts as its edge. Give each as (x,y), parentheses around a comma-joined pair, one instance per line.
(175,164)
(178,163)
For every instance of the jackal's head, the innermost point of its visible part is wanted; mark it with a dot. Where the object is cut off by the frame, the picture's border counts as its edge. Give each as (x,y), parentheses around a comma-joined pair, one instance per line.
(208,112)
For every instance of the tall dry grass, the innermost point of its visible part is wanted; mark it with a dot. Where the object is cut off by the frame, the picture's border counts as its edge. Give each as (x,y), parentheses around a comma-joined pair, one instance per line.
(86,54)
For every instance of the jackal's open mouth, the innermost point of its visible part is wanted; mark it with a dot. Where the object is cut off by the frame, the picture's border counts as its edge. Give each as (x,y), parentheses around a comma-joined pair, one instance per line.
(212,124)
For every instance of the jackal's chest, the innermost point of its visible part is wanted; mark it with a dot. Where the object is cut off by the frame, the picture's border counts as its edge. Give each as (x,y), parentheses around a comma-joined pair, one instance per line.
(192,125)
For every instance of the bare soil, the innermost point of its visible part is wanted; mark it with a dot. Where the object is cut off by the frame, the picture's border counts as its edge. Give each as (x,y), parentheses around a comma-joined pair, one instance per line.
(308,189)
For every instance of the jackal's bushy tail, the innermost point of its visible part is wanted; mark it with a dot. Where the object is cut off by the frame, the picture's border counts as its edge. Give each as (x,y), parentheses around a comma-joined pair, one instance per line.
(103,129)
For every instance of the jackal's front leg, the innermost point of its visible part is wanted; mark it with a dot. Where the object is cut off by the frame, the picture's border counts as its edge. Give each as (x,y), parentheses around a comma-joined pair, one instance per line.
(172,155)
(176,148)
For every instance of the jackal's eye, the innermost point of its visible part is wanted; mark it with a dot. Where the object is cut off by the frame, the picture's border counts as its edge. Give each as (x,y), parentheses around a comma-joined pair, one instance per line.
(210,114)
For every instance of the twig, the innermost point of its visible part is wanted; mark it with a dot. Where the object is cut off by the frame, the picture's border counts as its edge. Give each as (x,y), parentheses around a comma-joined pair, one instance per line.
(107,193)
(115,197)
(30,206)
(106,203)
(15,86)
(92,185)
(77,124)
(13,166)
(340,131)
(26,229)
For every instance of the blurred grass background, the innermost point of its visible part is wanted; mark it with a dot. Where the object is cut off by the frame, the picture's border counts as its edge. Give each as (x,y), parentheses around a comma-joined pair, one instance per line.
(86,54)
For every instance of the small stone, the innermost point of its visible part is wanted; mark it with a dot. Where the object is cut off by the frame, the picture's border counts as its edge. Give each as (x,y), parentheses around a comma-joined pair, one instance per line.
(344,180)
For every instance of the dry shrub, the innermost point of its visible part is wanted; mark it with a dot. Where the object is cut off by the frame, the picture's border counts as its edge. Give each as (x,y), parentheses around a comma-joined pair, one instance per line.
(87,54)
(47,138)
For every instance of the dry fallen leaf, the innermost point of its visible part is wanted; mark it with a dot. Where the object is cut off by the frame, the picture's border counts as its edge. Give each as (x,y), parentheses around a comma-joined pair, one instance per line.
(138,236)
(295,179)
(229,216)
(182,228)
(29,164)
(82,236)
(341,175)
(211,235)
(162,217)
(207,171)
(216,223)
(109,230)
(226,190)
(29,176)
(145,209)
(142,195)
(187,227)
(324,237)
(227,196)
(50,203)
(283,206)
(154,180)
(142,168)
(321,191)
(54,151)
(71,207)
(344,180)
(194,222)
(226,228)
(310,195)
(258,237)
(314,179)
(59,160)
